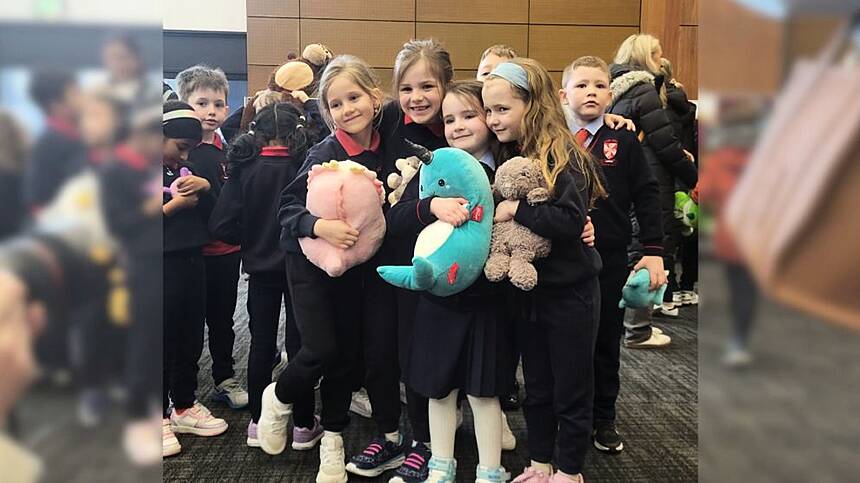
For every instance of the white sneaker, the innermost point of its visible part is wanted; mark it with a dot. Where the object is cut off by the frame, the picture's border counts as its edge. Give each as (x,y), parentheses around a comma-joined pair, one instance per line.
(656,341)
(509,441)
(197,420)
(280,366)
(690,297)
(656,330)
(737,358)
(360,404)
(274,418)
(169,444)
(667,308)
(678,298)
(232,393)
(140,441)
(332,459)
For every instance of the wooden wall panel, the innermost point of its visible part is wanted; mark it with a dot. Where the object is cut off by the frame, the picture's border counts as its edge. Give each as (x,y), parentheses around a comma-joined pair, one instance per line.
(554,32)
(272,8)
(271,39)
(375,42)
(359,9)
(585,12)
(385,76)
(258,77)
(685,66)
(477,11)
(466,42)
(465,74)
(557,46)
(689,12)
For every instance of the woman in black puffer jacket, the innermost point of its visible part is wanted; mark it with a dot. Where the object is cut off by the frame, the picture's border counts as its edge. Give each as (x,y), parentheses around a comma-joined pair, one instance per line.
(638,93)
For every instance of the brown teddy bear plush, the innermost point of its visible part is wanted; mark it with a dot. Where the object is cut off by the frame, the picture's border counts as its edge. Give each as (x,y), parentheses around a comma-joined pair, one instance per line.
(514,247)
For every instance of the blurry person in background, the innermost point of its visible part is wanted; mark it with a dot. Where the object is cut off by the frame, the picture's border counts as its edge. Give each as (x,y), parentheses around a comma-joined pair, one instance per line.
(98,329)
(131,202)
(57,153)
(682,115)
(122,61)
(14,150)
(737,132)
(21,320)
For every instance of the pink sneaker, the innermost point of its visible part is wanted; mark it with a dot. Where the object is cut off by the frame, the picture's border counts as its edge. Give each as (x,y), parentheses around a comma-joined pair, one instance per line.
(532,475)
(169,444)
(197,420)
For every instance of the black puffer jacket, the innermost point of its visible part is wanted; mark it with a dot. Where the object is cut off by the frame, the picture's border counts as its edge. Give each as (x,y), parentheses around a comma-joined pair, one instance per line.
(635,96)
(682,115)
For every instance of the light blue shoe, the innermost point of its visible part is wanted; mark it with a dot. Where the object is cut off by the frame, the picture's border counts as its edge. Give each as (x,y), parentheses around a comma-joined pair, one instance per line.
(441,470)
(491,475)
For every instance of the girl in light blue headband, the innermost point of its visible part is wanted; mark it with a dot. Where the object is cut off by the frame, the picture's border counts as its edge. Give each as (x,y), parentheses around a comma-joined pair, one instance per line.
(558,351)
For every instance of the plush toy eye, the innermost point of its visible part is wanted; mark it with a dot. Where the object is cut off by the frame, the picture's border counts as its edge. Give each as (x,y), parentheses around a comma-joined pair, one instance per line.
(441,182)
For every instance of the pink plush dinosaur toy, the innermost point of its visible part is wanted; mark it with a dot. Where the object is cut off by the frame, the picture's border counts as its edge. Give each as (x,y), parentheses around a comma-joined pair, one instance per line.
(348,191)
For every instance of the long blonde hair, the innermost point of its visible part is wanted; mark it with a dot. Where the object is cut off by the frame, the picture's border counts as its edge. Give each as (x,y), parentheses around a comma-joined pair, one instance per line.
(359,72)
(637,51)
(546,136)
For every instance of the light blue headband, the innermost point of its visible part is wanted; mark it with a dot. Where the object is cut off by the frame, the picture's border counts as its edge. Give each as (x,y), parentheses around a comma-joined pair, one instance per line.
(514,74)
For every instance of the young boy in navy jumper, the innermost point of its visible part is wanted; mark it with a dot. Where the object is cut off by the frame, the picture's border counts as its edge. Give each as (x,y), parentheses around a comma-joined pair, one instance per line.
(585,95)
(206,90)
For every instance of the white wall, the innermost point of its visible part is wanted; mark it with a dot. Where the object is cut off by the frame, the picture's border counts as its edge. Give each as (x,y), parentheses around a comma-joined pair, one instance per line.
(89,11)
(218,15)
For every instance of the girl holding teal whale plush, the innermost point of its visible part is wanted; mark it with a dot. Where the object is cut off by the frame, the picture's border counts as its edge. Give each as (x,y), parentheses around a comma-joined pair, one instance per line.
(461,339)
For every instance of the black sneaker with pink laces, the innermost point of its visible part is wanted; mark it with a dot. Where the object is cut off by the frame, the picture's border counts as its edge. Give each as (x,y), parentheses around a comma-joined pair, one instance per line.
(414,468)
(380,456)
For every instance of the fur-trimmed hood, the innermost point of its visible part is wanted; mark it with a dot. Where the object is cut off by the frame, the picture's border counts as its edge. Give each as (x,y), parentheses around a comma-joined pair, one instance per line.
(624,78)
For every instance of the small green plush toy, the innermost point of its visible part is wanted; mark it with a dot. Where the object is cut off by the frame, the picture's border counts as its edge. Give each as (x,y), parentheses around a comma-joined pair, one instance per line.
(635,293)
(687,211)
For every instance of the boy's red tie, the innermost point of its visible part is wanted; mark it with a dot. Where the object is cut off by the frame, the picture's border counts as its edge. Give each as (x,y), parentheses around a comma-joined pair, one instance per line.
(581,136)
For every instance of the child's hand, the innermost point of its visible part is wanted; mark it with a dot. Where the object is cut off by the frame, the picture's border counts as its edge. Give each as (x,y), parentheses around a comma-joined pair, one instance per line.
(300,96)
(588,232)
(615,121)
(690,156)
(654,265)
(336,232)
(179,203)
(450,210)
(188,185)
(506,210)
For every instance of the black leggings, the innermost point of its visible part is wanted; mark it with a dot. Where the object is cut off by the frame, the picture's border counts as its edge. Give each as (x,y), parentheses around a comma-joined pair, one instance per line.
(266,290)
(184,309)
(327,312)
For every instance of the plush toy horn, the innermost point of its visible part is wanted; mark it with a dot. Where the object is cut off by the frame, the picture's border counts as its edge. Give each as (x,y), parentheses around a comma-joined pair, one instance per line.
(424,154)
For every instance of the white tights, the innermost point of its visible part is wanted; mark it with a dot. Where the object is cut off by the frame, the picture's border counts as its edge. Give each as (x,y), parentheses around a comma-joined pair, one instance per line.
(488,427)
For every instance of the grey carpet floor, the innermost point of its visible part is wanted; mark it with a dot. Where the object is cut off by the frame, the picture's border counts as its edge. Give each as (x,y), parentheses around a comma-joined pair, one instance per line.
(657,413)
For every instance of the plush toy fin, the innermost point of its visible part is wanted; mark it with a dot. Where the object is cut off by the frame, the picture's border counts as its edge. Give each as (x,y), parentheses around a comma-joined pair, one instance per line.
(417,277)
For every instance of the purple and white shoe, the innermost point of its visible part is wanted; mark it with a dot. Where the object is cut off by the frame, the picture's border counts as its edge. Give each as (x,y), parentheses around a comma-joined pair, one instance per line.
(305,439)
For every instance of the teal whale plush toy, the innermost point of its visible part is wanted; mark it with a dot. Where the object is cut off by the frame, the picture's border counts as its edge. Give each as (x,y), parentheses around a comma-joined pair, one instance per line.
(448,259)
(635,293)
